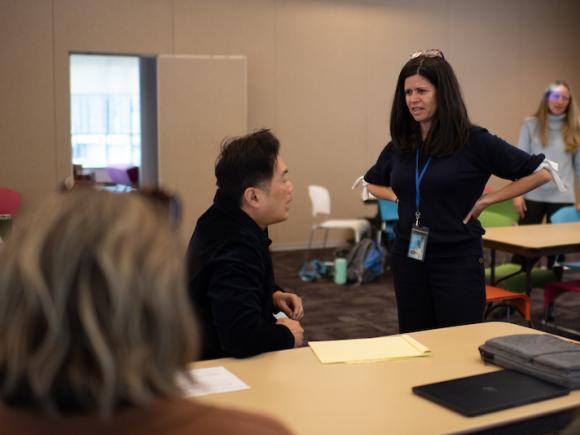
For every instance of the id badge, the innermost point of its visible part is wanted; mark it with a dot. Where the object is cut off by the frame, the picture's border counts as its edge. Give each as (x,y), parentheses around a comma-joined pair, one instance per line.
(418,243)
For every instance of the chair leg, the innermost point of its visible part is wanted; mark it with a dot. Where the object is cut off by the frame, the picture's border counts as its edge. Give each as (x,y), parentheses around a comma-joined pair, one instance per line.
(307,253)
(325,238)
(488,309)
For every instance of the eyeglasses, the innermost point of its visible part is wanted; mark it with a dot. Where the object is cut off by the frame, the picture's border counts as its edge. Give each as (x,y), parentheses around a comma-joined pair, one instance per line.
(431,52)
(162,198)
(557,96)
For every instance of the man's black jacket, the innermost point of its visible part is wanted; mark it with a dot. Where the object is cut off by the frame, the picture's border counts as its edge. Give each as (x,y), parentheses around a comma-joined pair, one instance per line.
(231,281)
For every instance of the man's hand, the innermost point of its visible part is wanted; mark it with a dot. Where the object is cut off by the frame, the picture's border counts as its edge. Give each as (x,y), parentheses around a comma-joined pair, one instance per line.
(294,328)
(289,303)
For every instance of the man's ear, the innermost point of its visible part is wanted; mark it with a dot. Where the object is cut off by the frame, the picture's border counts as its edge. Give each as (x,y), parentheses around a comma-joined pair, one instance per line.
(252,197)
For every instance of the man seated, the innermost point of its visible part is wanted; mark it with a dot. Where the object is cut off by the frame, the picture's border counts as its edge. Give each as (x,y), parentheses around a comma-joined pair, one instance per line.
(231,279)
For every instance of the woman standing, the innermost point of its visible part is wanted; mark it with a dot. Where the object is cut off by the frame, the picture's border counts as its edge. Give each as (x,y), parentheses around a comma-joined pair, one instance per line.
(436,167)
(555,131)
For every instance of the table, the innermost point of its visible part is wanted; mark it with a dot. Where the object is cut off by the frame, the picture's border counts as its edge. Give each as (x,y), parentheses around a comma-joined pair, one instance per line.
(531,242)
(374,398)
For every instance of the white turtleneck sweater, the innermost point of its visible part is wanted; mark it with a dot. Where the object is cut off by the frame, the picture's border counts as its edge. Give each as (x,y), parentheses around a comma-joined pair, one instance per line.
(556,151)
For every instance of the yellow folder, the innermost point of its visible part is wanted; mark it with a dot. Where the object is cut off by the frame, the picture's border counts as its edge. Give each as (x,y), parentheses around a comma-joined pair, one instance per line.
(368,349)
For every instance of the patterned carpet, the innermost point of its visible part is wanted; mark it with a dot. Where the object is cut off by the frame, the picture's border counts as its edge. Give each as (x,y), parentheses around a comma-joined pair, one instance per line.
(335,312)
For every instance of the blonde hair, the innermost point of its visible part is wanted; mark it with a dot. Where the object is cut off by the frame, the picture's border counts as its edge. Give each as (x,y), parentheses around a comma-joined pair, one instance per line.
(571,124)
(93,309)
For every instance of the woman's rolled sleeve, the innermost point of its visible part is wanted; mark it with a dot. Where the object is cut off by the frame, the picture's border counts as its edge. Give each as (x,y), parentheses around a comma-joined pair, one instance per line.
(380,172)
(502,159)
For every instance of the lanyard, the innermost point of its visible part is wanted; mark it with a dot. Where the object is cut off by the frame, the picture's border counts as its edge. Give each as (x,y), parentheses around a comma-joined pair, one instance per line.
(418,178)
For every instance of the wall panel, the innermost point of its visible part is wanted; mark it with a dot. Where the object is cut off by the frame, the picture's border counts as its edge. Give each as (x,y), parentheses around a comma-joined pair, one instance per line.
(202,99)
(233,27)
(321,73)
(321,94)
(27,143)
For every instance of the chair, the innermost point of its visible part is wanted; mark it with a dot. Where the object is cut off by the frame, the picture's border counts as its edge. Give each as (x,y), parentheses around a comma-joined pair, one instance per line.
(389,213)
(9,201)
(320,199)
(511,275)
(504,208)
(9,205)
(126,176)
(562,216)
(566,214)
(492,219)
(496,297)
(554,289)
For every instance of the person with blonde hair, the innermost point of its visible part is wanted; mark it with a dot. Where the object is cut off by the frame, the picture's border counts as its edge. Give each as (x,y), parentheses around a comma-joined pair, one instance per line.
(96,324)
(554,130)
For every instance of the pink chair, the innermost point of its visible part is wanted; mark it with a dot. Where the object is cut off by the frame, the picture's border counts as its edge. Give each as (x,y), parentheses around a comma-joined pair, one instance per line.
(9,201)
(9,204)
(555,289)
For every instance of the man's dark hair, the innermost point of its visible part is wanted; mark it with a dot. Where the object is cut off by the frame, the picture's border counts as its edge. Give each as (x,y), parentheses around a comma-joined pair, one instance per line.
(450,124)
(246,161)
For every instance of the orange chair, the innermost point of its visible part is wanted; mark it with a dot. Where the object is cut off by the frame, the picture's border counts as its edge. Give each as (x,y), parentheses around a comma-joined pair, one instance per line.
(495,296)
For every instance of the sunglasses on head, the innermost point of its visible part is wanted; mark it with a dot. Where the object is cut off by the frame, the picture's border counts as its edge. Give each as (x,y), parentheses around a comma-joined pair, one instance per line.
(431,52)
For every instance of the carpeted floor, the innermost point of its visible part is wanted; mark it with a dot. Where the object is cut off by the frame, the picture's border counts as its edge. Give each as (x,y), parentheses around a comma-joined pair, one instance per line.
(335,312)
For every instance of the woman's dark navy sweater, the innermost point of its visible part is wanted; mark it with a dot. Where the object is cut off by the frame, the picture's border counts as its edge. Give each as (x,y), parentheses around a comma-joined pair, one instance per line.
(451,186)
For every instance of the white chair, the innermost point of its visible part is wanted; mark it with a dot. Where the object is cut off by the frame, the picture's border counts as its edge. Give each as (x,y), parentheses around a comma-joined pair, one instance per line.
(320,199)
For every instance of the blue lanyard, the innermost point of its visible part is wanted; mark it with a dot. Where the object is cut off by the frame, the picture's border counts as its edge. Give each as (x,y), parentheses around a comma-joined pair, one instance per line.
(418,178)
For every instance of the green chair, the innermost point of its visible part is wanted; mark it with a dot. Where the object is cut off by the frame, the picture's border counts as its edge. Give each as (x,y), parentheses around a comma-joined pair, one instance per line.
(516,281)
(509,275)
(492,219)
(504,208)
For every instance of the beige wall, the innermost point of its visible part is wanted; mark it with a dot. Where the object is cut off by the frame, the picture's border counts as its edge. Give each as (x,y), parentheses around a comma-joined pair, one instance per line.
(320,73)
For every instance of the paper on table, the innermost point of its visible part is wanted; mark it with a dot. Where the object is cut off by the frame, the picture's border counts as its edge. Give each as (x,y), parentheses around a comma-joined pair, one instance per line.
(211,380)
(368,349)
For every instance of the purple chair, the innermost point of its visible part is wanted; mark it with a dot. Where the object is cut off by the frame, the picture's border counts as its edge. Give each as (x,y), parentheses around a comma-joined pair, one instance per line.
(125,175)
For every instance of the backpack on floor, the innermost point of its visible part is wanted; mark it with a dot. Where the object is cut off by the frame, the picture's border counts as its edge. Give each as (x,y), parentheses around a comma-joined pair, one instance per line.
(365,262)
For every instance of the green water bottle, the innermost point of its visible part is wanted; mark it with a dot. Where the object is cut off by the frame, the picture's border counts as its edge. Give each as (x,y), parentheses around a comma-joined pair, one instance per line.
(340,270)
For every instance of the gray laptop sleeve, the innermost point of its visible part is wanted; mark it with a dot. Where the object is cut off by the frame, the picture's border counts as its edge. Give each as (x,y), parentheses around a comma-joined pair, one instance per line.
(540,355)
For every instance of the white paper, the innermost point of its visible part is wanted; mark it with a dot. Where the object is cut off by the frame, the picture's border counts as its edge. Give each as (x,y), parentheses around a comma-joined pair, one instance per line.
(211,380)
(280,315)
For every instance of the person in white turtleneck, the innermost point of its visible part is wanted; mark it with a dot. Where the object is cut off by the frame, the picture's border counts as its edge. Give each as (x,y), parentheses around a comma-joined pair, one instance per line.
(554,130)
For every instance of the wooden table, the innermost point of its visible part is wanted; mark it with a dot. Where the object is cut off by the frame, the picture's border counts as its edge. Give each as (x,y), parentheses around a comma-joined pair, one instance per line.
(532,242)
(374,398)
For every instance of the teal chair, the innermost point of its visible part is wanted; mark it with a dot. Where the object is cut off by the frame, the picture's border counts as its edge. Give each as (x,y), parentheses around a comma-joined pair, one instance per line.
(562,216)
(389,212)
(509,275)
(555,289)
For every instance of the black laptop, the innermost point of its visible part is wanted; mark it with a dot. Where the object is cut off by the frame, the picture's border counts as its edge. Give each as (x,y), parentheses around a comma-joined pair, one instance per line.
(489,392)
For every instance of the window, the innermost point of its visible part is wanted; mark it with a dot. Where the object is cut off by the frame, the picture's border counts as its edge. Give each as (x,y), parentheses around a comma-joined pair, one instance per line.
(105,110)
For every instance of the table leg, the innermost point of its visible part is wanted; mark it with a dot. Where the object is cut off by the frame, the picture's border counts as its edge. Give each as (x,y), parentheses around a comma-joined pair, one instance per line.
(528,264)
(492,277)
